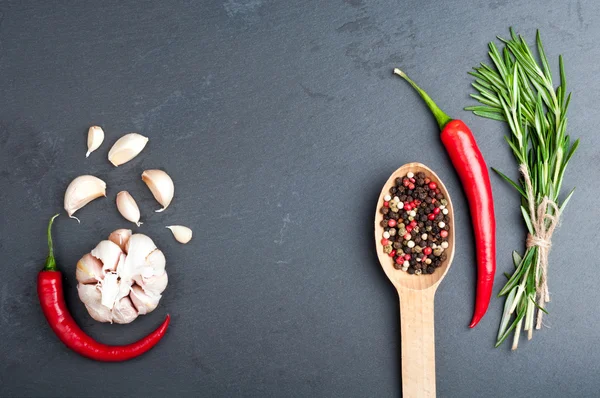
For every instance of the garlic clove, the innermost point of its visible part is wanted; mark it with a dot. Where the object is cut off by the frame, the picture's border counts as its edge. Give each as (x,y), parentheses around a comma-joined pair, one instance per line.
(156,261)
(161,186)
(120,237)
(95,139)
(126,148)
(124,311)
(91,296)
(89,269)
(138,247)
(142,301)
(182,234)
(128,207)
(109,253)
(155,285)
(81,191)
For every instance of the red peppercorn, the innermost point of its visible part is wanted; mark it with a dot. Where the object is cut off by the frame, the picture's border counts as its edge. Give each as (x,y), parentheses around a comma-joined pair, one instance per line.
(431,217)
(433,200)
(443,233)
(405,182)
(427,180)
(411,186)
(432,185)
(386,204)
(427,251)
(392,223)
(436,211)
(412,179)
(385,242)
(393,253)
(407,207)
(418,202)
(409,228)
(407,257)
(399,260)
(406,236)
(413,223)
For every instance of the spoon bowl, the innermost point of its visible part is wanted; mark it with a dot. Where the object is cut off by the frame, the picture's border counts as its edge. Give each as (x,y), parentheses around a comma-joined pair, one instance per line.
(404,279)
(416,293)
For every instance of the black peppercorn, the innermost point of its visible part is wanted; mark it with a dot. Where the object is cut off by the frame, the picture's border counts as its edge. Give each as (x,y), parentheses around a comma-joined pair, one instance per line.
(411,270)
(430,270)
(393,190)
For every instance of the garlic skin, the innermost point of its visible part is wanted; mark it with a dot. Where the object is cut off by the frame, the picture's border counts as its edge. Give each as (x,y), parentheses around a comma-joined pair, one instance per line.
(161,186)
(120,237)
(182,234)
(122,277)
(81,191)
(95,139)
(126,148)
(128,207)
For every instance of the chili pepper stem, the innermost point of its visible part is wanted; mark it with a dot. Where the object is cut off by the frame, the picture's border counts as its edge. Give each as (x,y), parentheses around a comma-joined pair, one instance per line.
(50,261)
(441,118)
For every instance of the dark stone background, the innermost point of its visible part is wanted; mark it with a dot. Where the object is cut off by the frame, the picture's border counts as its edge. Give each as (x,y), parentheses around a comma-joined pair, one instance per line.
(279,121)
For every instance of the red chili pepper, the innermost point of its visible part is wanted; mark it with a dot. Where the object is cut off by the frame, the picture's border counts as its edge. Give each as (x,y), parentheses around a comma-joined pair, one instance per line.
(473,172)
(50,292)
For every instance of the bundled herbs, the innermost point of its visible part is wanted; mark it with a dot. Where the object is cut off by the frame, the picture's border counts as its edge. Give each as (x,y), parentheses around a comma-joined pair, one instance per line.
(518,89)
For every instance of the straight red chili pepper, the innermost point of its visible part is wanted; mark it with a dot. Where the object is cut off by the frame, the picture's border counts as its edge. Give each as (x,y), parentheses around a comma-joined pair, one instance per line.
(50,292)
(473,172)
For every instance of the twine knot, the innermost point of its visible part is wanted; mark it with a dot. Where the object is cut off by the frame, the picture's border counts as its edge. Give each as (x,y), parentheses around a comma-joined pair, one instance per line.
(544,220)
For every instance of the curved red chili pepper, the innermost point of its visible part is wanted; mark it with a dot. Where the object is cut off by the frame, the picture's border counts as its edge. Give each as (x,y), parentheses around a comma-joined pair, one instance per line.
(50,292)
(473,172)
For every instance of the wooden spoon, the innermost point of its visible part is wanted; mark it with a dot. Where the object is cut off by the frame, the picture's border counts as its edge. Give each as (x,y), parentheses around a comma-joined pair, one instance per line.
(416,298)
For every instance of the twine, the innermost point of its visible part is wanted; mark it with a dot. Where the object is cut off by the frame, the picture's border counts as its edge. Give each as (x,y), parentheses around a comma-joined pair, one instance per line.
(543,225)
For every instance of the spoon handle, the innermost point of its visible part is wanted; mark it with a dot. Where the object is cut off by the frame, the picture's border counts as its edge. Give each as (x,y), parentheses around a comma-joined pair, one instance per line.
(418,343)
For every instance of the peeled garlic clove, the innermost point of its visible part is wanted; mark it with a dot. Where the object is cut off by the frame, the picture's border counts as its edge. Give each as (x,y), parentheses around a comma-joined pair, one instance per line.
(145,303)
(124,311)
(128,208)
(109,253)
(91,296)
(161,186)
(94,140)
(182,234)
(120,237)
(81,191)
(89,269)
(126,148)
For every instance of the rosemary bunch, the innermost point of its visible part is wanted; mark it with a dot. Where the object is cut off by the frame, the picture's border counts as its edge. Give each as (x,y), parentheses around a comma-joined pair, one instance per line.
(518,89)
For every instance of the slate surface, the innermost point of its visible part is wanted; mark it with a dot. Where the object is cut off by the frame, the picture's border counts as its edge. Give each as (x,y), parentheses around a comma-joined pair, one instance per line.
(278,121)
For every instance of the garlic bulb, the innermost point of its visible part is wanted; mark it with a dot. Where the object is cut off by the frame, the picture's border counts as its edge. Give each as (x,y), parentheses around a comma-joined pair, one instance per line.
(182,234)
(122,277)
(81,191)
(128,208)
(126,148)
(161,186)
(95,139)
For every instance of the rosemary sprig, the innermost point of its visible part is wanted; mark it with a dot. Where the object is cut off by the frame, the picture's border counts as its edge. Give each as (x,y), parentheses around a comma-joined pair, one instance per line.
(518,89)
